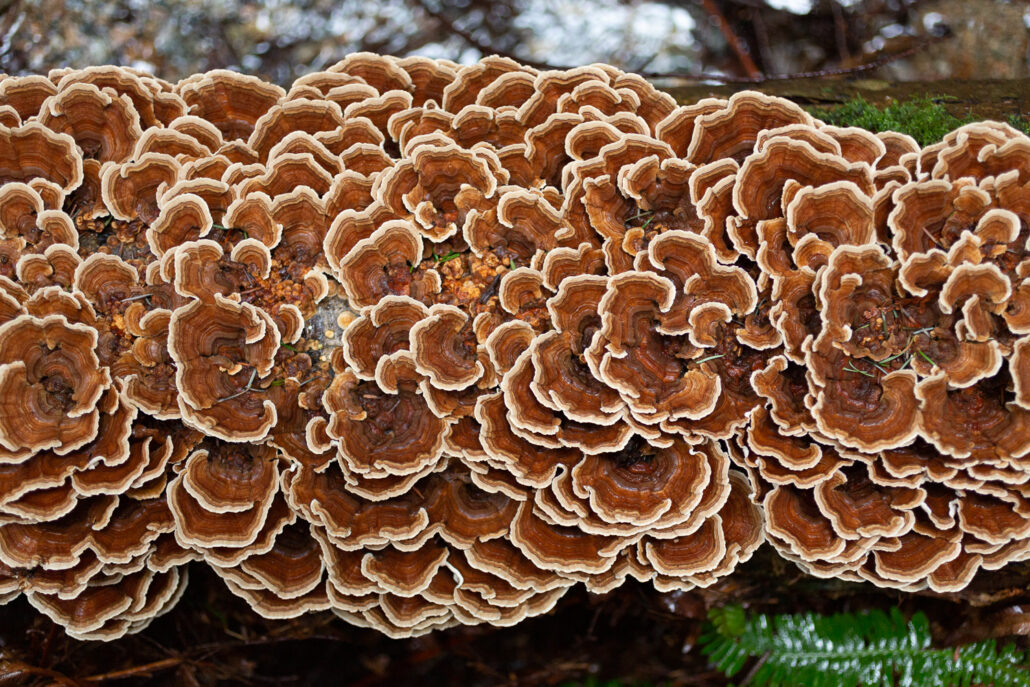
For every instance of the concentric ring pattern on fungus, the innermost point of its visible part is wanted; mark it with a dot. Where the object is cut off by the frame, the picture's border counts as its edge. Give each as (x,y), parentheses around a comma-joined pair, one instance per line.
(427,344)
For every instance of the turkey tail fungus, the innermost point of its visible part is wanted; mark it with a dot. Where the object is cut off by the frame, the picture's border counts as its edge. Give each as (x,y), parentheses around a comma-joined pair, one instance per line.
(424,344)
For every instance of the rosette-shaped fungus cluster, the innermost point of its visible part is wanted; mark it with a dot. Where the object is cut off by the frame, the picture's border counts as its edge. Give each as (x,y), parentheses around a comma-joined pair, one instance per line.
(426,344)
(893,438)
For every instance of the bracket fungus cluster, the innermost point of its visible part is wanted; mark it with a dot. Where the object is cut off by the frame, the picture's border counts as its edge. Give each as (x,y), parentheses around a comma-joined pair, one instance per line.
(427,344)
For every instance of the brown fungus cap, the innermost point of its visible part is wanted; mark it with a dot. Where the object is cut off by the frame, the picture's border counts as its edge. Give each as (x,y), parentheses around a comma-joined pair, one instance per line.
(114,606)
(221,349)
(222,497)
(105,128)
(647,367)
(152,99)
(51,380)
(32,151)
(381,265)
(25,94)
(732,130)
(381,331)
(379,432)
(232,102)
(131,190)
(426,187)
(309,116)
(444,348)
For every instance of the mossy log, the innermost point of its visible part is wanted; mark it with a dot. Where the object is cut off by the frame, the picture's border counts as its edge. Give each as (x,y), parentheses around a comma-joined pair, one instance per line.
(997,99)
(633,633)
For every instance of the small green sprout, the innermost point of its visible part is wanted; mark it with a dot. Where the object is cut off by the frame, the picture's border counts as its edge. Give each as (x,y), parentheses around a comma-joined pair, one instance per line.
(444,258)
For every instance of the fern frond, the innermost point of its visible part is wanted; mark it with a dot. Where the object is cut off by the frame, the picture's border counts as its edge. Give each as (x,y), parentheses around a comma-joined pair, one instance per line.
(872,648)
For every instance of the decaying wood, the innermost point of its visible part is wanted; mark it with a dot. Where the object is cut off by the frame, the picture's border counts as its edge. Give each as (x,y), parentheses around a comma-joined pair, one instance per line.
(980,99)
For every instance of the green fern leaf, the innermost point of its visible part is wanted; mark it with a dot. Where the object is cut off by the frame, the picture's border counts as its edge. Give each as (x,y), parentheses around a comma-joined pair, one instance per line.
(869,649)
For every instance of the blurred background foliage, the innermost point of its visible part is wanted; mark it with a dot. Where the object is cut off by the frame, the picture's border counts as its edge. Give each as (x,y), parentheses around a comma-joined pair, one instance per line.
(727,39)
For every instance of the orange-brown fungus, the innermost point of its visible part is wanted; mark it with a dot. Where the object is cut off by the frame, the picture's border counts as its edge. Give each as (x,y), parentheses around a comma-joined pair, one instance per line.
(427,344)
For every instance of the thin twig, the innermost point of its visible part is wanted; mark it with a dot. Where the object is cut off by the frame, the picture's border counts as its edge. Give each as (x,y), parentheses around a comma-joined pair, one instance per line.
(10,669)
(738,47)
(44,653)
(895,356)
(761,32)
(840,31)
(754,669)
(851,368)
(817,74)
(487,49)
(144,670)
(484,48)
(253,374)
(191,656)
(931,237)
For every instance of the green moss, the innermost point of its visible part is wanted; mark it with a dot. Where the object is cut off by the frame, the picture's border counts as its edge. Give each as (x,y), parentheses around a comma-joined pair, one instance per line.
(1021,122)
(924,119)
